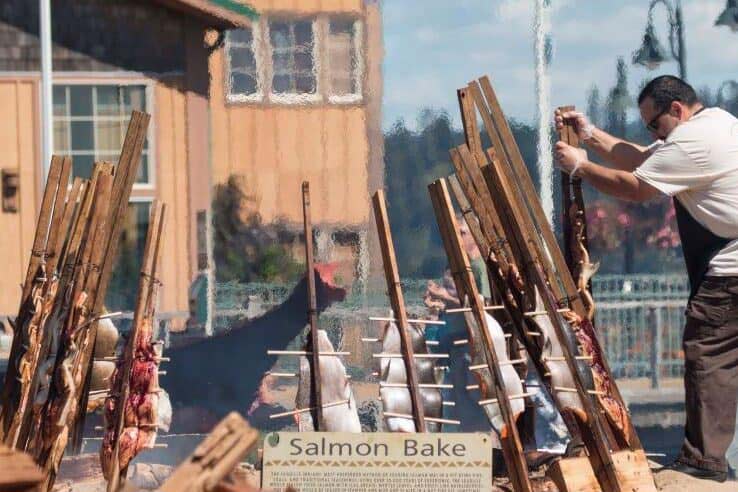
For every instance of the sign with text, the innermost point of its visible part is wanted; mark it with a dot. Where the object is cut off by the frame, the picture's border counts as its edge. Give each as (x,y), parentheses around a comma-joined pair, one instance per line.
(377,461)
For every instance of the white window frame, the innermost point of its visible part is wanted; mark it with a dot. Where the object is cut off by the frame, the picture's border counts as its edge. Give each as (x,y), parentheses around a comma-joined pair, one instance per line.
(258,49)
(150,185)
(358,96)
(294,98)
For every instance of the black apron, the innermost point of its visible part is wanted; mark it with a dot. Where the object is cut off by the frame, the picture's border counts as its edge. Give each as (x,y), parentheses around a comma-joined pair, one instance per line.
(699,244)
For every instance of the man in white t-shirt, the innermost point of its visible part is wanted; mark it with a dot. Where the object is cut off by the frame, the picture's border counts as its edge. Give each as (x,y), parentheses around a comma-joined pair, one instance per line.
(695,161)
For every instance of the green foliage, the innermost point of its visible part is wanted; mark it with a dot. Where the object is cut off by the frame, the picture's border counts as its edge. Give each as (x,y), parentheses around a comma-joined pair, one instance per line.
(246,250)
(414,159)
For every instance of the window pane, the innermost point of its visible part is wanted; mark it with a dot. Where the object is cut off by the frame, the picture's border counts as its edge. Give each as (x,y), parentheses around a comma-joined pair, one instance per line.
(305,84)
(61,136)
(282,84)
(124,281)
(240,36)
(143,170)
(60,100)
(80,100)
(242,83)
(82,135)
(279,33)
(134,99)
(282,63)
(82,166)
(304,62)
(304,33)
(108,100)
(109,135)
(242,58)
(342,57)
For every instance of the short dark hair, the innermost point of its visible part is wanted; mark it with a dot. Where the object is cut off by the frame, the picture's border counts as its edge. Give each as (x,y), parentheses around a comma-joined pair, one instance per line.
(666,89)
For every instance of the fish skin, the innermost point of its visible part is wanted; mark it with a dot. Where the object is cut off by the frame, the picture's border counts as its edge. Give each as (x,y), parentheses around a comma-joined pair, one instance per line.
(334,386)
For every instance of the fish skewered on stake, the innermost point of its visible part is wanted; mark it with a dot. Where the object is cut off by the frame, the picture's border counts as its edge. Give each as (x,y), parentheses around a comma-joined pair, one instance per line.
(497,383)
(26,349)
(409,389)
(324,400)
(574,221)
(132,411)
(546,272)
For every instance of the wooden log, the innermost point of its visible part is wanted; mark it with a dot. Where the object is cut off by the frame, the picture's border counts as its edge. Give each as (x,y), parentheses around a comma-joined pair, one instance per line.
(397,301)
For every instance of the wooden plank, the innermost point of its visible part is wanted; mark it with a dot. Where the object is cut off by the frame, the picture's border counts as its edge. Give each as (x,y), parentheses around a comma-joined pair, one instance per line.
(633,470)
(501,135)
(573,475)
(512,446)
(316,400)
(69,211)
(58,215)
(397,302)
(214,458)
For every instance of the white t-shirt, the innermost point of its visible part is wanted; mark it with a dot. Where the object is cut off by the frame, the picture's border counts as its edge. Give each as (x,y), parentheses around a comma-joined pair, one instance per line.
(698,163)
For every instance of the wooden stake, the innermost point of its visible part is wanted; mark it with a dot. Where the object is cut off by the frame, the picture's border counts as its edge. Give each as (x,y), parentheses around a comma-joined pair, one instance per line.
(315,390)
(397,301)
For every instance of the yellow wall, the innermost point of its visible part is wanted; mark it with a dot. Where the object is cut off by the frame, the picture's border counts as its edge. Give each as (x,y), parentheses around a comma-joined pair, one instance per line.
(18,131)
(276,147)
(20,142)
(172,189)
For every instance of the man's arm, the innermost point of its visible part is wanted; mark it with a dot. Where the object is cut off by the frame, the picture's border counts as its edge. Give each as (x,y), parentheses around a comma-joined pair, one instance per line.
(614,182)
(625,155)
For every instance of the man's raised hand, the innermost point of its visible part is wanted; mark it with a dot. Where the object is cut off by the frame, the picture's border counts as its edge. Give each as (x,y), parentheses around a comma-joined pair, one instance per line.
(582,125)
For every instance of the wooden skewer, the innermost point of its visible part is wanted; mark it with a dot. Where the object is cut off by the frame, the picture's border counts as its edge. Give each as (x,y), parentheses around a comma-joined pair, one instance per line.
(468,310)
(370,340)
(511,397)
(542,313)
(432,343)
(502,363)
(428,419)
(441,368)
(416,321)
(574,390)
(563,359)
(303,352)
(162,373)
(160,445)
(309,409)
(283,374)
(417,356)
(448,403)
(420,385)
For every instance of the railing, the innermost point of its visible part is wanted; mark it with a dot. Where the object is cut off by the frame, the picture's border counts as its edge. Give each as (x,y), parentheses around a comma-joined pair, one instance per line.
(639,318)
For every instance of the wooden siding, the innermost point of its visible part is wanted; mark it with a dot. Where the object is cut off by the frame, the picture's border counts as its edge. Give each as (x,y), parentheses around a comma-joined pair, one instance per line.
(20,144)
(275,147)
(18,131)
(173,188)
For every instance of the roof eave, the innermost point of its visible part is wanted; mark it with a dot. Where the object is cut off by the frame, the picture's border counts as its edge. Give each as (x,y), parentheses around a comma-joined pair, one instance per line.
(219,14)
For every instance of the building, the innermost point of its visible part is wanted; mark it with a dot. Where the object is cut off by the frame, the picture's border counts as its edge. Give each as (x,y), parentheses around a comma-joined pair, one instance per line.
(274,92)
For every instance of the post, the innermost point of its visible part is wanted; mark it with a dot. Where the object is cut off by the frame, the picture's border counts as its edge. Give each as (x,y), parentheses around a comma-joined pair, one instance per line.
(657,342)
(47,92)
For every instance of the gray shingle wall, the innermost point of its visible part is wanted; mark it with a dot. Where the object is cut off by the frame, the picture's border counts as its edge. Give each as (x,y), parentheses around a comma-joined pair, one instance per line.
(94,35)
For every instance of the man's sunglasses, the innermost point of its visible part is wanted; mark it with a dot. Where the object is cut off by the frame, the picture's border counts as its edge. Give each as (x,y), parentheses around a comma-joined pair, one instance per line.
(654,125)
